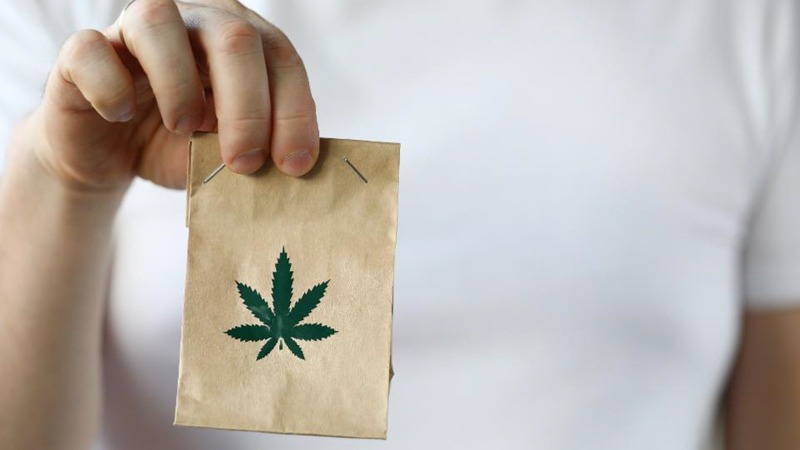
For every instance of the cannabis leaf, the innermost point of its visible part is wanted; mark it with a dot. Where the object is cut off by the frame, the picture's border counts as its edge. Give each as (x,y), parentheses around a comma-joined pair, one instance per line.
(281,325)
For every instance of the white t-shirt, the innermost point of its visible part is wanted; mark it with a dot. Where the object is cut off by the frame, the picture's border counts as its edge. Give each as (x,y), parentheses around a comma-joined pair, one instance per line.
(591,194)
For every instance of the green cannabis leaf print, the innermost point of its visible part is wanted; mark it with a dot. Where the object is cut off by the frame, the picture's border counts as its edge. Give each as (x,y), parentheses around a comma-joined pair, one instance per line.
(281,323)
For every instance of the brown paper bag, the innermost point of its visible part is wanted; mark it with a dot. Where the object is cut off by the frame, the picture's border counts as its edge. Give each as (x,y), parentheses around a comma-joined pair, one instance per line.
(288,310)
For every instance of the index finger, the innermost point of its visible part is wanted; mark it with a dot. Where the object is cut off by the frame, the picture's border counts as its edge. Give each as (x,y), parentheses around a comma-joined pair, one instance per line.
(155,34)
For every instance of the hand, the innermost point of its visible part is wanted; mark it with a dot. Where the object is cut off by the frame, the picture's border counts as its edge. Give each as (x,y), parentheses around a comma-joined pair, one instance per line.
(112,111)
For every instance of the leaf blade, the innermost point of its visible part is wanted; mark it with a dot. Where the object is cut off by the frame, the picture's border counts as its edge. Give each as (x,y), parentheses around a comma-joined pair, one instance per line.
(267,348)
(249,333)
(282,284)
(255,303)
(307,302)
(312,332)
(294,347)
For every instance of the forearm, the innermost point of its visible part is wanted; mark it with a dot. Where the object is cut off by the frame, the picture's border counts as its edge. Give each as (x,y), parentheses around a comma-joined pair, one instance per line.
(763,404)
(54,259)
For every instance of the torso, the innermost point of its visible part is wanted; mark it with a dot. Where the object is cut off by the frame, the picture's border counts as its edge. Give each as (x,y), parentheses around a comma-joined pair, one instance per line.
(576,179)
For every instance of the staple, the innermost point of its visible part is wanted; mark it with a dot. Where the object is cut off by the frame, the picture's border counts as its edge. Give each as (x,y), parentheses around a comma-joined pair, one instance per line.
(354,169)
(214,173)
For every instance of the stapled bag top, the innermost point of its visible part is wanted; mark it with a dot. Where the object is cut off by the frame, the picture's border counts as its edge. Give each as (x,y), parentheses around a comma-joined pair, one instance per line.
(289,288)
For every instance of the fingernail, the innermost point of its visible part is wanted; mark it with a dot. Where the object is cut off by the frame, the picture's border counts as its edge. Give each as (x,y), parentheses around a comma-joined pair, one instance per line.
(126,115)
(297,163)
(188,123)
(248,162)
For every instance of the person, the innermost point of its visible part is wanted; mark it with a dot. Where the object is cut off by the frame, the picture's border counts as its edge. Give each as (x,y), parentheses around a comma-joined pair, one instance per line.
(599,242)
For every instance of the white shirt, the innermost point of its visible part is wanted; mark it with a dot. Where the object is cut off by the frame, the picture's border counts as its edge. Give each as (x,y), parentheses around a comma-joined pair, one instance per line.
(591,194)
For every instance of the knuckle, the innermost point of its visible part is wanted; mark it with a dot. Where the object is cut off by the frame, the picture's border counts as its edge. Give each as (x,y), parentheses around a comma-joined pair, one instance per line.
(84,45)
(114,96)
(280,50)
(239,37)
(250,124)
(235,7)
(152,12)
(300,109)
(299,115)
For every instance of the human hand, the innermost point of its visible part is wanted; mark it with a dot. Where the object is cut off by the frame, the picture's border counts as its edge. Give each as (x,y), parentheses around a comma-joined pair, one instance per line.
(113,110)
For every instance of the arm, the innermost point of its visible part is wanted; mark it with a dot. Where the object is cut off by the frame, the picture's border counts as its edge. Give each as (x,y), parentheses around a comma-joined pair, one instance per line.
(113,111)
(763,405)
(54,255)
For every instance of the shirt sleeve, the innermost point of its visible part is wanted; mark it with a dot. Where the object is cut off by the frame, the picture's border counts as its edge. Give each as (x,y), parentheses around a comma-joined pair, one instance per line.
(771,265)
(772,252)
(31,33)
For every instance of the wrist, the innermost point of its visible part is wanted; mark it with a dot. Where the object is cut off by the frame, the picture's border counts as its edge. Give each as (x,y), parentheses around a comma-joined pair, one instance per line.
(32,180)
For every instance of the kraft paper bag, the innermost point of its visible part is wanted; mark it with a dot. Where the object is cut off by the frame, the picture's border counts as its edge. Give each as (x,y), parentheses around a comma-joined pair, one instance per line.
(288,310)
